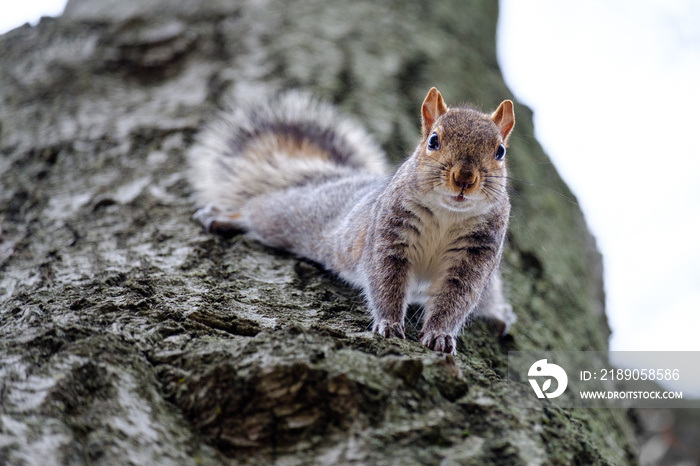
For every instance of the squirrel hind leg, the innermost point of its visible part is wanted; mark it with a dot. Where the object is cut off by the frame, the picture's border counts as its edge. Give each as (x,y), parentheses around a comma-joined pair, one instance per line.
(220,220)
(494,307)
(502,315)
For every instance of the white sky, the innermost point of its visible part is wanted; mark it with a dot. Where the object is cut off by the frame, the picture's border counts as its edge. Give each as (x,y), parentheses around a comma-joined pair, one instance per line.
(615,87)
(14,14)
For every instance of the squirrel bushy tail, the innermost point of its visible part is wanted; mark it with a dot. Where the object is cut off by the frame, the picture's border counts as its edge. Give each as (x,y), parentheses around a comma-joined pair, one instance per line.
(257,147)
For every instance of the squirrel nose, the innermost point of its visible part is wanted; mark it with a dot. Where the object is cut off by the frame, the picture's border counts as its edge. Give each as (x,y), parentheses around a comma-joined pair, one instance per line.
(464,178)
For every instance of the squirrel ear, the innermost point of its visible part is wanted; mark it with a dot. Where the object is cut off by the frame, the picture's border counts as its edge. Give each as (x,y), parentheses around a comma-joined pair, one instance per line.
(504,117)
(433,107)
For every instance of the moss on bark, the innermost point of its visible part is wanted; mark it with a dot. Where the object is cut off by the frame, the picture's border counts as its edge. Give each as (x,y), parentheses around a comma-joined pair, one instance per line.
(128,333)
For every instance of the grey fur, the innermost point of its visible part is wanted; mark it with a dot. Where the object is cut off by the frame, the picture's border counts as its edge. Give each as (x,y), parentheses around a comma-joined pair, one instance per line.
(223,172)
(397,237)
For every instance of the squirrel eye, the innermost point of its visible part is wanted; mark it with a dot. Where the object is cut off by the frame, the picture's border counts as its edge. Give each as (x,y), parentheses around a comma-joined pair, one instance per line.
(434,142)
(500,152)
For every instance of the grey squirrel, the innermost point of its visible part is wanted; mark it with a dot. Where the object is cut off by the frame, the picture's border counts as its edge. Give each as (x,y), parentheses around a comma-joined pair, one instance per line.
(295,175)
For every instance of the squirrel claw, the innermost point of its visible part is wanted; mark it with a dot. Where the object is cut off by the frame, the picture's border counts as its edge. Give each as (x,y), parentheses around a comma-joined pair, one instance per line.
(440,342)
(388,330)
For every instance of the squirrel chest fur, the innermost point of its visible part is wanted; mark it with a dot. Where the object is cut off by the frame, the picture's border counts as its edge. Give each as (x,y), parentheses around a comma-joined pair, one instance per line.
(295,175)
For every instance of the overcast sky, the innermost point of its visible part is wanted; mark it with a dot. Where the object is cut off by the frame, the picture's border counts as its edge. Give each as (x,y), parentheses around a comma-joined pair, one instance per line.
(615,89)
(15,14)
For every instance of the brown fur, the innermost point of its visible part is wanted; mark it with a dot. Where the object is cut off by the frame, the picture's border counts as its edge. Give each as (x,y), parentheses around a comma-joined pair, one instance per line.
(291,147)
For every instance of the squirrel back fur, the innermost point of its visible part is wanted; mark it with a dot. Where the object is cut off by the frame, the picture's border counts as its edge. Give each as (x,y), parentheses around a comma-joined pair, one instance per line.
(295,175)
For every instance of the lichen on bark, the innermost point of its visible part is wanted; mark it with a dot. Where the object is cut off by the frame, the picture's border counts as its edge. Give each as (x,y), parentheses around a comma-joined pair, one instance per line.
(126,332)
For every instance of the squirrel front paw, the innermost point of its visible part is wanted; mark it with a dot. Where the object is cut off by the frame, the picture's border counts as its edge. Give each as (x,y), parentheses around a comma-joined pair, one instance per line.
(440,342)
(388,330)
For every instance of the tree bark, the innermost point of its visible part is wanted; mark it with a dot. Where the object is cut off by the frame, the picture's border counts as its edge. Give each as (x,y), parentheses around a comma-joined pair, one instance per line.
(128,334)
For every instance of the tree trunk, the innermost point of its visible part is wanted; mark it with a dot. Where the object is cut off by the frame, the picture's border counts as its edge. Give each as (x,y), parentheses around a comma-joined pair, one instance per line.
(129,335)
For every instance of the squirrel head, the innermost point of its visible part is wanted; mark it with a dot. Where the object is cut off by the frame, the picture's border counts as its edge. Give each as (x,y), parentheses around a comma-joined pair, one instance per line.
(463,150)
